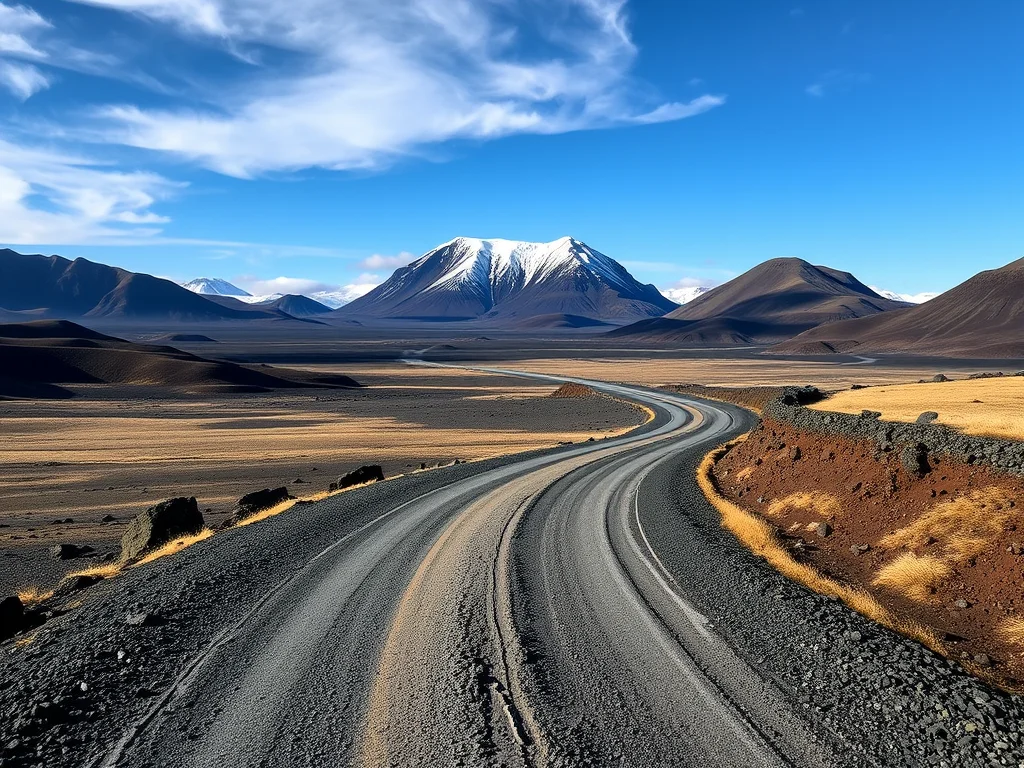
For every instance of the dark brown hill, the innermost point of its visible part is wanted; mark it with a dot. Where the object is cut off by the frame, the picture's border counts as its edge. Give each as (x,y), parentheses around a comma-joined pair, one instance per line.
(980,318)
(37,355)
(52,286)
(775,300)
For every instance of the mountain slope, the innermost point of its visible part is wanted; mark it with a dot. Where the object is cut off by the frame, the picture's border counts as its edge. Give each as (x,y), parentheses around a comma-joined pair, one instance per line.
(35,356)
(214,286)
(775,300)
(505,279)
(982,317)
(298,306)
(52,286)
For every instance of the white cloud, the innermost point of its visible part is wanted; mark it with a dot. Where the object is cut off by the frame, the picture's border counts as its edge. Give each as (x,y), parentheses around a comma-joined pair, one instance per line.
(375,82)
(17,24)
(840,80)
(913,298)
(23,80)
(326,293)
(297,285)
(377,261)
(85,201)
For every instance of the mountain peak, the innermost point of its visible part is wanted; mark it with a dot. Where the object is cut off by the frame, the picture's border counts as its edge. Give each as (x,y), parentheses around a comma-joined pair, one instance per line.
(471,277)
(214,286)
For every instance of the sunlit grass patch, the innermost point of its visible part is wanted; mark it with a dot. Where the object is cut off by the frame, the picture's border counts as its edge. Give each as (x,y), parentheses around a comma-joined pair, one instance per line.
(176,545)
(31,595)
(960,528)
(913,576)
(814,502)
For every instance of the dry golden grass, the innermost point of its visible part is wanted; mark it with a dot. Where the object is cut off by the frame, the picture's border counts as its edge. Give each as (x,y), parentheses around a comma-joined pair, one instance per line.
(174,546)
(999,414)
(762,539)
(913,576)
(104,571)
(960,528)
(814,502)
(1012,630)
(32,595)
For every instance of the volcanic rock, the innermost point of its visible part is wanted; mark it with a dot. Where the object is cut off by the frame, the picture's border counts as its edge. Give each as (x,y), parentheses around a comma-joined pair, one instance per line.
(160,524)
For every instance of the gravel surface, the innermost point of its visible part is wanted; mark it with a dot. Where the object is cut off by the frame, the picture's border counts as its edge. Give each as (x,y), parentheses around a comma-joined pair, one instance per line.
(574,607)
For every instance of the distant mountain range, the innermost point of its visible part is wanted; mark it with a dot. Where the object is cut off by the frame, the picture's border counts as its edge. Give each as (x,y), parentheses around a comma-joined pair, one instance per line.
(36,286)
(215,286)
(772,302)
(510,282)
(982,317)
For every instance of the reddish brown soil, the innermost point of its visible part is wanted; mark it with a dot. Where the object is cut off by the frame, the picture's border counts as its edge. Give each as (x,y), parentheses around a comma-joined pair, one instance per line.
(876,497)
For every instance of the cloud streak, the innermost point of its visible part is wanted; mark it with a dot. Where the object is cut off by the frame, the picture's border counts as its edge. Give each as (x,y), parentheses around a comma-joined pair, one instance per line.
(371,83)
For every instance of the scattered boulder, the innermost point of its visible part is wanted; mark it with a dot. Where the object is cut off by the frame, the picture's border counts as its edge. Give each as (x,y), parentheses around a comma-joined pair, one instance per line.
(927,417)
(794,453)
(69,551)
(823,529)
(76,583)
(257,501)
(369,473)
(108,519)
(144,619)
(160,524)
(939,377)
(859,549)
(12,616)
(915,460)
(986,375)
(962,604)
(866,414)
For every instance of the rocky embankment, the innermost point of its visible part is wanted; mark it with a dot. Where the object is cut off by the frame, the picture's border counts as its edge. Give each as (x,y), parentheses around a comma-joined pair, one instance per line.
(923,518)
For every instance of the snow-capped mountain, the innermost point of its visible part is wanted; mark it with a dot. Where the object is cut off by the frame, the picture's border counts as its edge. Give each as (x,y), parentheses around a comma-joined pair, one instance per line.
(214,286)
(685,295)
(911,298)
(508,279)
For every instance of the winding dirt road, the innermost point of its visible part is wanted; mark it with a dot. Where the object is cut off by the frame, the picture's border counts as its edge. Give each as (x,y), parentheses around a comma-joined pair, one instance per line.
(519,616)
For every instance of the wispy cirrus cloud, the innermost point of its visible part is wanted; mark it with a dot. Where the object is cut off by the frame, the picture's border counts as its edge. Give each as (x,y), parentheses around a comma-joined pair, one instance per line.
(370,83)
(86,200)
(23,80)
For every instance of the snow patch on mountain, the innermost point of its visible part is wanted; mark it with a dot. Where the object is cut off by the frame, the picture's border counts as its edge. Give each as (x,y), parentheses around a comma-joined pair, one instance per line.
(215,286)
(684,294)
(497,262)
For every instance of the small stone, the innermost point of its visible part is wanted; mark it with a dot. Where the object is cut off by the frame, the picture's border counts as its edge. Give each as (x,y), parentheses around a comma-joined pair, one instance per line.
(144,619)
(823,529)
(927,417)
(982,660)
(961,604)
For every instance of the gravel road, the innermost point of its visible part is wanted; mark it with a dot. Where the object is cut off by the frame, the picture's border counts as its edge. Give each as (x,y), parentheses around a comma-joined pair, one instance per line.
(574,607)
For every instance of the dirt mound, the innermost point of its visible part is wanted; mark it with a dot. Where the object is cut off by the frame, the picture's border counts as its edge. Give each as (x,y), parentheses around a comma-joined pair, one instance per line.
(930,541)
(573,390)
(299,306)
(193,338)
(980,318)
(775,300)
(556,320)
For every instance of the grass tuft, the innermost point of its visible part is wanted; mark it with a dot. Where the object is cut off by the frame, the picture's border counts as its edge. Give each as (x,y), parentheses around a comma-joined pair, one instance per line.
(1012,630)
(913,576)
(174,546)
(960,528)
(816,502)
(33,595)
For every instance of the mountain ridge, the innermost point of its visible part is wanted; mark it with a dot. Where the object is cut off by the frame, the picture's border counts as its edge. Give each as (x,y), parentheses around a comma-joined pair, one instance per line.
(476,278)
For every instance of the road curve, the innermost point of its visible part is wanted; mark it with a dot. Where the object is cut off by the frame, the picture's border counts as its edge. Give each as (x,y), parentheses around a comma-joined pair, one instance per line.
(517,616)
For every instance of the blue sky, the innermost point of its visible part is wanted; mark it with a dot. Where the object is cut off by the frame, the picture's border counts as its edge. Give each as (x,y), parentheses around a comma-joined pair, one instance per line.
(325,142)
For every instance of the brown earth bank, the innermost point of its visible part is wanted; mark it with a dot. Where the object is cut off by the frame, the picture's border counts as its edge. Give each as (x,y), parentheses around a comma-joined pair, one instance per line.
(115,451)
(944,548)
